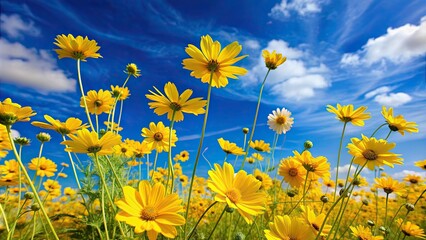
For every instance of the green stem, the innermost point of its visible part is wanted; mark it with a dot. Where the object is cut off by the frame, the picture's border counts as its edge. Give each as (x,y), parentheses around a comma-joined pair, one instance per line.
(114,173)
(338,159)
(217,222)
(73,166)
(200,146)
(103,189)
(304,188)
(353,220)
(12,231)
(80,82)
(377,129)
(4,218)
(34,225)
(154,167)
(97,122)
(170,163)
(119,115)
(255,118)
(199,220)
(390,131)
(37,198)
(386,210)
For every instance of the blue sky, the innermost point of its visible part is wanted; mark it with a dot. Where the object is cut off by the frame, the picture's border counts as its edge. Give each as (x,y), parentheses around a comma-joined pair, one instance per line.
(349,52)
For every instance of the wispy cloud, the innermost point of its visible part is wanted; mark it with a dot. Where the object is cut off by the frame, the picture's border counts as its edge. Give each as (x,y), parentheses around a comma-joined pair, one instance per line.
(300,7)
(209,134)
(14,27)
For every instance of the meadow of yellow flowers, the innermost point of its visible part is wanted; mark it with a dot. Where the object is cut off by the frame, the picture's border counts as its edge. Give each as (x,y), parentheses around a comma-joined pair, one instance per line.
(294,198)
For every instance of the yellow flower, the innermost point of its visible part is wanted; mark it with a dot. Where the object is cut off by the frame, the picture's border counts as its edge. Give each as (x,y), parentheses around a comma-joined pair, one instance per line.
(98,102)
(260,145)
(123,150)
(70,192)
(89,142)
(364,233)
(52,187)
(410,229)
(211,59)
(10,167)
(286,228)
(172,102)
(280,121)
(373,152)
(257,156)
(398,123)
(113,126)
(150,209)
(132,69)
(120,92)
(62,175)
(318,167)
(292,171)
(134,163)
(264,178)
(389,185)
(157,137)
(9,180)
(329,183)
(229,147)
(421,164)
(44,166)
(413,179)
(182,156)
(239,191)
(5,145)
(348,114)
(139,149)
(11,112)
(71,125)
(314,221)
(273,59)
(76,48)
(183,179)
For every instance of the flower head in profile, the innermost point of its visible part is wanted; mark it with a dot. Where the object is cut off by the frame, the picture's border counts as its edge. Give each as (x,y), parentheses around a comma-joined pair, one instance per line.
(150,209)
(364,233)
(410,229)
(264,178)
(240,191)
(398,123)
(77,48)
(43,166)
(280,121)
(11,112)
(229,147)
(183,156)
(5,145)
(215,61)
(122,93)
(157,137)
(284,227)
(421,164)
(89,142)
(140,149)
(113,126)
(373,152)
(318,167)
(273,59)
(98,102)
(173,103)
(292,171)
(70,126)
(260,146)
(347,113)
(413,178)
(132,69)
(389,185)
(310,218)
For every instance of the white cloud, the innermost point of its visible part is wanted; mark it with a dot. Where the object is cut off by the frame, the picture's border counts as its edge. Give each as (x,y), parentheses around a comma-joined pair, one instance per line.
(301,7)
(32,68)
(343,170)
(377,91)
(398,45)
(15,133)
(393,99)
(252,44)
(297,79)
(15,27)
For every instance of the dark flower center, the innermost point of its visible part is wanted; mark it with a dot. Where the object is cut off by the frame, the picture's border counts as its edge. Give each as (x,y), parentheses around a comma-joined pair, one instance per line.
(149,213)
(158,136)
(280,120)
(78,54)
(212,66)
(175,106)
(393,128)
(369,155)
(259,178)
(293,172)
(94,149)
(98,103)
(346,119)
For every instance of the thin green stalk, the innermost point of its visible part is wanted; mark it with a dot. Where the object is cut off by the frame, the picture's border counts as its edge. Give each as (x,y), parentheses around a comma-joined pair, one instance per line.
(97,122)
(12,231)
(38,162)
(154,167)
(199,220)
(255,118)
(114,173)
(103,189)
(80,82)
(396,214)
(377,129)
(244,146)
(34,225)
(217,222)
(386,209)
(338,159)
(200,146)
(37,198)
(226,156)
(4,218)
(119,115)
(390,131)
(353,220)
(170,163)
(304,188)
(276,136)
(340,214)
(73,166)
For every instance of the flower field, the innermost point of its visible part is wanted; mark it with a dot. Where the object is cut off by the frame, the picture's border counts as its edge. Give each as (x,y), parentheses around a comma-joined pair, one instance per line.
(250,194)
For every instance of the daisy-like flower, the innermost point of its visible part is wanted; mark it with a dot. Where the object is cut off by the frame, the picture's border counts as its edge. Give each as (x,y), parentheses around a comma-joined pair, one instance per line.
(10,167)
(260,146)
(239,191)
(212,59)
(172,102)
(76,47)
(157,137)
(230,147)
(182,156)
(132,69)
(292,171)
(69,192)
(398,123)
(98,102)
(139,148)
(373,152)
(264,178)
(280,121)
(364,233)
(70,126)
(389,185)
(413,179)
(11,112)
(150,209)
(120,92)
(285,228)
(257,156)
(318,167)
(89,142)
(310,218)
(5,145)
(329,183)
(52,187)
(134,163)
(113,126)
(421,164)
(273,59)
(348,114)
(410,229)
(123,150)
(43,166)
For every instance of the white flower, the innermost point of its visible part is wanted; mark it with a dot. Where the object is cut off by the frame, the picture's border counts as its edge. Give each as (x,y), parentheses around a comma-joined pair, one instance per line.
(280,121)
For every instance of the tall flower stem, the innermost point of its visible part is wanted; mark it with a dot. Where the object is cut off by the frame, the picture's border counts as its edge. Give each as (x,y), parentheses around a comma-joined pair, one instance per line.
(386,209)
(154,167)
(4,218)
(353,220)
(170,169)
(30,183)
(103,189)
(377,129)
(199,220)
(217,222)
(200,146)
(119,115)
(73,166)
(338,160)
(255,118)
(80,82)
